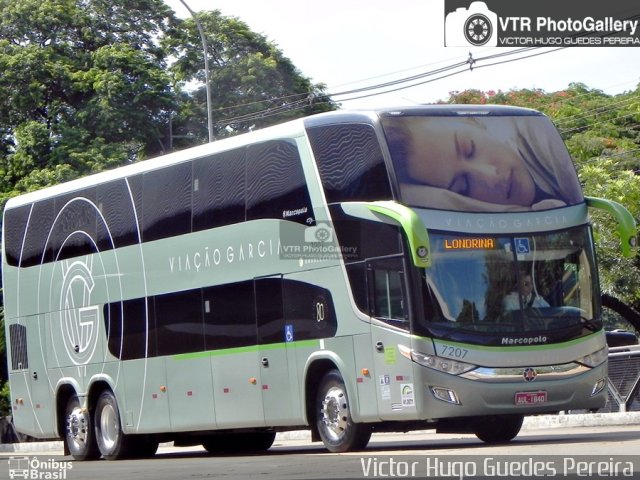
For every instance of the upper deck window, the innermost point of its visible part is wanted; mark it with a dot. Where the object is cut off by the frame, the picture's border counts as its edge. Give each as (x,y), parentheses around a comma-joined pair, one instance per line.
(481,163)
(350,163)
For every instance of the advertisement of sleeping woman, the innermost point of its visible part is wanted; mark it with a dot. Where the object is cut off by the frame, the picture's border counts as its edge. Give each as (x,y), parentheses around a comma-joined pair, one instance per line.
(481,163)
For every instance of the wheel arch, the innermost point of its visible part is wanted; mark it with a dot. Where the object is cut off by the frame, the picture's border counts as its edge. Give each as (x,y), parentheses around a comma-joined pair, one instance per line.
(67,387)
(317,366)
(63,393)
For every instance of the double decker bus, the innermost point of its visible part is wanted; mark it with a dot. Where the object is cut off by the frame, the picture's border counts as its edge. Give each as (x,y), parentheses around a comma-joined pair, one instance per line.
(347,273)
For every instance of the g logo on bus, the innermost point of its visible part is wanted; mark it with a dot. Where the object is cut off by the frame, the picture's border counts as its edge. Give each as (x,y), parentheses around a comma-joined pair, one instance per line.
(79,322)
(529,374)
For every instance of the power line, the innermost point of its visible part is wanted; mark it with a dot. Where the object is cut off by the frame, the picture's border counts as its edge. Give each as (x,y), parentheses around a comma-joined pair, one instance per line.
(598,110)
(598,123)
(398,84)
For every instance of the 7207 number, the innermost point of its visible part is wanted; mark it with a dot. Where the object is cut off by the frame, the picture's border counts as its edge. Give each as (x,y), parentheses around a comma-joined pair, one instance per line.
(455,352)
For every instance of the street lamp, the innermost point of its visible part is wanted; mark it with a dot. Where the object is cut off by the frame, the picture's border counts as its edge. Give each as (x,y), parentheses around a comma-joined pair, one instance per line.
(206,70)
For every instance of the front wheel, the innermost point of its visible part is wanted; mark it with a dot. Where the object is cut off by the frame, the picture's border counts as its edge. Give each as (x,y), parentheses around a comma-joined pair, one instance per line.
(336,427)
(499,428)
(79,435)
(112,442)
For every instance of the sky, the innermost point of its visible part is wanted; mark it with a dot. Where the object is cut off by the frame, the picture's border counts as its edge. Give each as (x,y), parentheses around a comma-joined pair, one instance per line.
(347,44)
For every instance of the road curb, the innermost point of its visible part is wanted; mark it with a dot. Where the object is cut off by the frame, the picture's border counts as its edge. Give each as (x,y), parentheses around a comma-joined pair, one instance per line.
(531,423)
(582,420)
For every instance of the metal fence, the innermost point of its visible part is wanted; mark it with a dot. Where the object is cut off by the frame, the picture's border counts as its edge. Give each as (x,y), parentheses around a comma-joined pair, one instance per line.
(624,379)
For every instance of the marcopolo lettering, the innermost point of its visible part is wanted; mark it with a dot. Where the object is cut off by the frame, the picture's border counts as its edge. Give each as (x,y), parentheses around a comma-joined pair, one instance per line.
(524,340)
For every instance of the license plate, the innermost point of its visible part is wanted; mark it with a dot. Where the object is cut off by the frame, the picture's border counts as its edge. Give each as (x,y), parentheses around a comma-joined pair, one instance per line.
(530,398)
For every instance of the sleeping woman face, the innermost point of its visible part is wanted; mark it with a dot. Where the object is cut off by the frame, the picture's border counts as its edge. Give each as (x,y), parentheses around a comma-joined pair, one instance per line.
(463,157)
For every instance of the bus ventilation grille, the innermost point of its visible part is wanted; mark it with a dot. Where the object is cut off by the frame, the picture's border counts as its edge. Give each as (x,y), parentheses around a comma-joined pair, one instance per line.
(18,339)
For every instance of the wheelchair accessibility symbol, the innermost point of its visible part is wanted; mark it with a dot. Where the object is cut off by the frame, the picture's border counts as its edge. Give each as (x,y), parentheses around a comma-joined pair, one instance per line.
(522,245)
(288,333)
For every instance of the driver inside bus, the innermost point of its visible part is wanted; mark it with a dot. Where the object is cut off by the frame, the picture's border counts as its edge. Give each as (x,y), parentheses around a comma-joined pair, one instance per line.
(524,295)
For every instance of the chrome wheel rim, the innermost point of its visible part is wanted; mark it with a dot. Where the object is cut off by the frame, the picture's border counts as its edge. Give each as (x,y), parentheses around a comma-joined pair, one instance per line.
(78,428)
(335,413)
(109,428)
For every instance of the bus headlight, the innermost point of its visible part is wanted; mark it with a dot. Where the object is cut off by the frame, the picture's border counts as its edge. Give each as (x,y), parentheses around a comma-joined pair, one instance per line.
(594,359)
(446,365)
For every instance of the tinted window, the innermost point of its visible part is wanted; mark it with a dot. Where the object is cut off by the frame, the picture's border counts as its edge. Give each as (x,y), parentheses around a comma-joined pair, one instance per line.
(74,231)
(37,233)
(167,202)
(126,324)
(308,310)
(269,310)
(15,226)
(363,238)
(386,284)
(179,327)
(135,185)
(350,163)
(357,274)
(218,190)
(115,203)
(276,187)
(229,316)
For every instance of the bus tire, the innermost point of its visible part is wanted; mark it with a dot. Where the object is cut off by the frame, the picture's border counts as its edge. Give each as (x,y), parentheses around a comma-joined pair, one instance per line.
(79,434)
(112,442)
(499,428)
(336,427)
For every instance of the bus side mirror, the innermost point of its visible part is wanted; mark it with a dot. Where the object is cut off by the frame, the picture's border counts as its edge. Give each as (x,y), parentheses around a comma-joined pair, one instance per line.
(626,223)
(396,214)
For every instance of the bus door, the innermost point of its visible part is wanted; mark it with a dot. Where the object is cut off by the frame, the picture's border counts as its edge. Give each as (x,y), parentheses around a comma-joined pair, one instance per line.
(231,335)
(389,312)
(180,328)
(273,353)
(39,389)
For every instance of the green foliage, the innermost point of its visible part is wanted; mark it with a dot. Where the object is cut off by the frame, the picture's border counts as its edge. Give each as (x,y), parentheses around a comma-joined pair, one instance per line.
(5,399)
(602,134)
(253,83)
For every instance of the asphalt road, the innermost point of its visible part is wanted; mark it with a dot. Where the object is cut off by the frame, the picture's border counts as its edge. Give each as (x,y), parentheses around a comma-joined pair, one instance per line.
(568,452)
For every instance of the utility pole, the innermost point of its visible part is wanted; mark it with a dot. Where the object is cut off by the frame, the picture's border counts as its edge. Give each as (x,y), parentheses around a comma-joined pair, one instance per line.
(206,70)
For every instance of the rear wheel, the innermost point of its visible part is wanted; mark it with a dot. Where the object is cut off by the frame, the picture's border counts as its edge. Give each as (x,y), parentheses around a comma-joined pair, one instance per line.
(336,427)
(79,434)
(112,442)
(499,428)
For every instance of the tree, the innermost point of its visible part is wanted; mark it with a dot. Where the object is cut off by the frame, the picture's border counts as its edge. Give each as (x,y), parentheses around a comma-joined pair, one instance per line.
(84,86)
(253,84)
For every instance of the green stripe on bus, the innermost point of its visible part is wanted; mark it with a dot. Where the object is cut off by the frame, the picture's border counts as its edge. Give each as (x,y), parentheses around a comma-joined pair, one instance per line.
(249,349)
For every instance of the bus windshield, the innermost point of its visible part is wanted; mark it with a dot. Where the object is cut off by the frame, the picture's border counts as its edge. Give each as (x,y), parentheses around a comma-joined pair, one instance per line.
(536,286)
(481,163)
